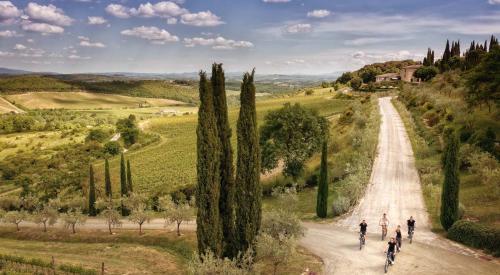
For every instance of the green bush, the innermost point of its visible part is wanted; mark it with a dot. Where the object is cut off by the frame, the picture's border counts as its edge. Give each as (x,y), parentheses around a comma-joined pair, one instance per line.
(112,147)
(340,206)
(476,235)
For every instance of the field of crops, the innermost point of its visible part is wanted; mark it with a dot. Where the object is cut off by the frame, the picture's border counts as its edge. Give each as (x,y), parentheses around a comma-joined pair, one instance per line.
(82,100)
(172,162)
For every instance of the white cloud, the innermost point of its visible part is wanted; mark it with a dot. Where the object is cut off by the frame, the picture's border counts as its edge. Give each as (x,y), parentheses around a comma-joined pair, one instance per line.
(9,33)
(298,28)
(20,47)
(201,19)
(49,14)
(6,54)
(30,40)
(368,58)
(318,13)
(77,57)
(153,34)
(85,42)
(276,1)
(96,20)
(494,2)
(218,43)
(163,9)
(118,10)
(172,21)
(8,12)
(42,28)
(374,40)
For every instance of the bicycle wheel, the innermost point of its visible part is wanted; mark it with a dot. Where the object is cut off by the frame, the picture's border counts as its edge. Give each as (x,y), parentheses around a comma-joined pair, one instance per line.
(386,267)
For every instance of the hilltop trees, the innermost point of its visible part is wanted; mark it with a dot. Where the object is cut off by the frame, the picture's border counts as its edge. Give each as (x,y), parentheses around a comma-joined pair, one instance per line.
(227,184)
(92,198)
(249,193)
(451,185)
(429,59)
(209,229)
(483,82)
(426,73)
(128,129)
(322,198)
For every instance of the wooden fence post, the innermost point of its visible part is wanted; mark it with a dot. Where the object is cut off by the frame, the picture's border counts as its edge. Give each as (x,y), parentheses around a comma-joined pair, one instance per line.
(53,264)
(102,268)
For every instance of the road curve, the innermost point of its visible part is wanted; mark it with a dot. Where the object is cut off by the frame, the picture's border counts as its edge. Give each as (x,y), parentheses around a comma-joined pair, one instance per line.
(394,188)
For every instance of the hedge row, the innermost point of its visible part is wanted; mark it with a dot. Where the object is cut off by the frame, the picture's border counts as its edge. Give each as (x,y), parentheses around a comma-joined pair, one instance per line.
(71,269)
(476,235)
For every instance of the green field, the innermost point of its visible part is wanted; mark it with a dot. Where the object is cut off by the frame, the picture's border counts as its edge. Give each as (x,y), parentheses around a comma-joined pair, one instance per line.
(171,163)
(83,100)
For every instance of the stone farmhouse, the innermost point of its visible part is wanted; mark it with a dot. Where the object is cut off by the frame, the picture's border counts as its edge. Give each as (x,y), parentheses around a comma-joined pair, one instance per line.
(406,75)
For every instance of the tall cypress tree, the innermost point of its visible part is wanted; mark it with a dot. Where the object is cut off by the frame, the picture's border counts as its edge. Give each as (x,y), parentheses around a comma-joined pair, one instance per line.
(123,184)
(129,177)
(209,229)
(451,185)
(248,189)
(227,186)
(107,179)
(322,198)
(92,210)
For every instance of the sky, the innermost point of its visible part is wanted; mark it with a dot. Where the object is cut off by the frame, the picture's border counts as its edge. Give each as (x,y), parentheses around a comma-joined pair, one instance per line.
(274,36)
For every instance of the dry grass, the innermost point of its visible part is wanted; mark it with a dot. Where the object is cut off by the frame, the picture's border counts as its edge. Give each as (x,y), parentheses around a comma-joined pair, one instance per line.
(7,107)
(83,100)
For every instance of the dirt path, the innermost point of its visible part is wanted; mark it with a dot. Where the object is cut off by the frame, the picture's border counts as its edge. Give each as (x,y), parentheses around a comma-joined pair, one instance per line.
(7,107)
(394,189)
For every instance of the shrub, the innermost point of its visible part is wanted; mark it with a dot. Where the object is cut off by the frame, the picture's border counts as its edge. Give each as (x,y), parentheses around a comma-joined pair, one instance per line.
(476,235)
(431,118)
(112,147)
(340,206)
(98,135)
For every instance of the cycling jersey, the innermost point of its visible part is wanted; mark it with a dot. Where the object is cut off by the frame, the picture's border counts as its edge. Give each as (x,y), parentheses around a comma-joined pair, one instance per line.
(398,234)
(411,223)
(392,246)
(384,222)
(363,227)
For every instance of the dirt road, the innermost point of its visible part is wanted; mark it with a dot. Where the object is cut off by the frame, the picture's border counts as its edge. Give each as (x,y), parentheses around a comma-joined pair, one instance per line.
(394,189)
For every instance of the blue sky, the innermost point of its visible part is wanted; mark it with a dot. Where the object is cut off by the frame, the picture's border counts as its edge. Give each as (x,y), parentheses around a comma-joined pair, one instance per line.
(275,36)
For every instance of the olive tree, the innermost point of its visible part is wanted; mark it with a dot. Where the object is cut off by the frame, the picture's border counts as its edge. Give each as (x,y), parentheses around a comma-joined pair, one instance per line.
(16,217)
(176,212)
(141,214)
(46,214)
(109,213)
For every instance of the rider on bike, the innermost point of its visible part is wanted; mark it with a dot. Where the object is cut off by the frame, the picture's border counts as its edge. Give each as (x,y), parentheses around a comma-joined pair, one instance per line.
(411,225)
(384,222)
(391,248)
(362,229)
(399,237)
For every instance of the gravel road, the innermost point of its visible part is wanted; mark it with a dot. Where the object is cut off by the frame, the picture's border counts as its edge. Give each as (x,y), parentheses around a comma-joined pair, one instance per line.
(394,189)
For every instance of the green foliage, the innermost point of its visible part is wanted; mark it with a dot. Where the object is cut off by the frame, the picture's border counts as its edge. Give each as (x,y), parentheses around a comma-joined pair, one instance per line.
(72,218)
(123,185)
(208,263)
(209,230)
(98,135)
(280,251)
(426,73)
(483,82)
(282,221)
(46,214)
(345,78)
(322,197)
(248,188)
(293,133)
(112,148)
(476,235)
(451,185)
(129,177)
(140,212)
(340,206)
(29,263)
(109,213)
(368,74)
(227,184)
(107,180)
(356,83)
(176,212)
(15,217)
(92,193)
(128,129)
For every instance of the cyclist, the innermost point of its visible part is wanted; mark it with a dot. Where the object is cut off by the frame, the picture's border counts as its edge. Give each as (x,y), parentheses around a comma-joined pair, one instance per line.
(391,248)
(362,229)
(411,225)
(384,222)
(399,237)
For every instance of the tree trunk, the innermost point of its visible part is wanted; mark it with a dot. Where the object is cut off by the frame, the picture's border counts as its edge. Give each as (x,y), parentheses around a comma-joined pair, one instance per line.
(17,226)
(178,229)
(44,227)
(73,228)
(140,229)
(109,227)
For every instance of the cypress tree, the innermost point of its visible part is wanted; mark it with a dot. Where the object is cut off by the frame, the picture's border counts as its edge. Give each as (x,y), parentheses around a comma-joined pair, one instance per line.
(129,177)
(248,189)
(227,186)
(123,184)
(322,198)
(107,179)
(92,210)
(209,230)
(451,185)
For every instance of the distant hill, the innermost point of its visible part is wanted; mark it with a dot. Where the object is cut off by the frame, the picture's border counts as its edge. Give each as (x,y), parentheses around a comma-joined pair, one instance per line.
(7,71)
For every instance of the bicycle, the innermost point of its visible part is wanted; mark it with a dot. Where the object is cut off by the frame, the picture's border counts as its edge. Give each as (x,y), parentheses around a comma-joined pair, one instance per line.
(384,232)
(388,260)
(410,234)
(361,240)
